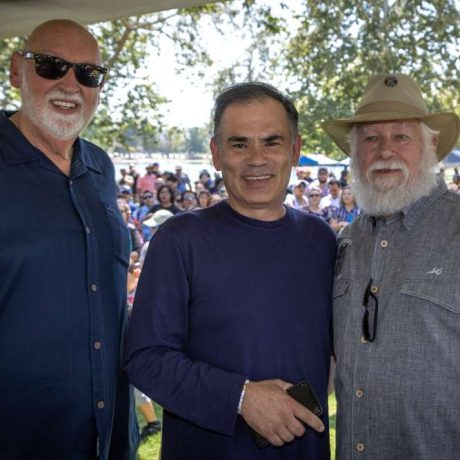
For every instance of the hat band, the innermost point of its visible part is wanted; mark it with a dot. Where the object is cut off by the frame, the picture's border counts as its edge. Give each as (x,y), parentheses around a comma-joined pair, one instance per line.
(395,107)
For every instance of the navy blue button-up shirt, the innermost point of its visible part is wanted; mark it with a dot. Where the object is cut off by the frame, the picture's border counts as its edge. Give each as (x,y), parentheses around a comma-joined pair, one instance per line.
(63,260)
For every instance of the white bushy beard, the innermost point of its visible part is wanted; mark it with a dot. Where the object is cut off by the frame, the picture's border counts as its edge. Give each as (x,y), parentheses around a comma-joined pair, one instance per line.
(388,195)
(60,126)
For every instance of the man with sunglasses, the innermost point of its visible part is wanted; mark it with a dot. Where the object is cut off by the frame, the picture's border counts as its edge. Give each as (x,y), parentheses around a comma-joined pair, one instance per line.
(396,293)
(62,262)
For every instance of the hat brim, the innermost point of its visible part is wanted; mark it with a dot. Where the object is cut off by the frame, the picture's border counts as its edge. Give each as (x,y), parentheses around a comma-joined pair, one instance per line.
(448,125)
(150,223)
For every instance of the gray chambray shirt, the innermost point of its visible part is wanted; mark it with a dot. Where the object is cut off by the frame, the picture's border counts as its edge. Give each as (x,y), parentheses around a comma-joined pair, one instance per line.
(399,396)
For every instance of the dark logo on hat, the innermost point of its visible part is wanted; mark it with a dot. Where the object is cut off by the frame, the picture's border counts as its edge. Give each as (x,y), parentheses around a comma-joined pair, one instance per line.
(391,81)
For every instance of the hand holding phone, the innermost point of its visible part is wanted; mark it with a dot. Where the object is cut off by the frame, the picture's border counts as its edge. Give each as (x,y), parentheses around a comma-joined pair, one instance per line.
(303,393)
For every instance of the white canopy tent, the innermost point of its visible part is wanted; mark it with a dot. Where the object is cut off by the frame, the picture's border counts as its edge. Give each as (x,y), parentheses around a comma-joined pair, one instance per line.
(19,17)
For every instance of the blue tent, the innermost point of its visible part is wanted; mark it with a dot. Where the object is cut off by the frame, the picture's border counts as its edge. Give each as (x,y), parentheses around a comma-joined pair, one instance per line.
(317,159)
(307,161)
(452,160)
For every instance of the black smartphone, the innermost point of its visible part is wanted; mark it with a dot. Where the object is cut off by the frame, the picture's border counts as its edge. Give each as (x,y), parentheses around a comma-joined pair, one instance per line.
(303,393)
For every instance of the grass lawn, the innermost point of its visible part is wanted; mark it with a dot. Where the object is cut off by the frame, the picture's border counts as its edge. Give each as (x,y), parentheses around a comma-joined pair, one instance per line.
(150,448)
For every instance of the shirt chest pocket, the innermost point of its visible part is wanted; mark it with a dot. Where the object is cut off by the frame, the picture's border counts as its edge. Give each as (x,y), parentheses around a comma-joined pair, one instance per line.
(441,295)
(119,233)
(341,287)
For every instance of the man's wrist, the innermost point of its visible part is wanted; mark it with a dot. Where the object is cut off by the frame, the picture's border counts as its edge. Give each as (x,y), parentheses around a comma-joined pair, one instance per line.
(243,391)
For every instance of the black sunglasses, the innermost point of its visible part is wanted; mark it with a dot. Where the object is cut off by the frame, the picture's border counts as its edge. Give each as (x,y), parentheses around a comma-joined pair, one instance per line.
(370,330)
(313,195)
(54,68)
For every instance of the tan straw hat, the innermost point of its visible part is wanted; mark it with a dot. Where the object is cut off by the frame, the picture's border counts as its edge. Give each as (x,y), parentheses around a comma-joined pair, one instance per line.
(395,97)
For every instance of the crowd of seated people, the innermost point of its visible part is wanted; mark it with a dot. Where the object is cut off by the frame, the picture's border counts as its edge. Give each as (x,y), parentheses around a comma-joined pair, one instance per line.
(140,197)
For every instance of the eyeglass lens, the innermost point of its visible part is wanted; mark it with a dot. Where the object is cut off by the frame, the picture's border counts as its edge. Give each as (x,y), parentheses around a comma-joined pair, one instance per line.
(54,68)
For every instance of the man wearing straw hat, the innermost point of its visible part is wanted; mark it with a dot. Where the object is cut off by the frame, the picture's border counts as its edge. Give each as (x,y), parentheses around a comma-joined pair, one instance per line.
(397,282)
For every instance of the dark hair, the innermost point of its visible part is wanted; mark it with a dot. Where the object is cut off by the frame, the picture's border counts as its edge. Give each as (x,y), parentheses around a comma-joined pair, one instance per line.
(188,192)
(334,182)
(169,189)
(172,178)
(254,91)
(204,192)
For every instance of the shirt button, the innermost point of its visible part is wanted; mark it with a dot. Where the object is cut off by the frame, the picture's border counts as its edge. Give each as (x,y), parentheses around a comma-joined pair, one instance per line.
(100,405)
(71,182)
(93,287)
(374,289)
(384,243)
(360,447)
(97,345)
(359,393)
(363,339)
(88,230)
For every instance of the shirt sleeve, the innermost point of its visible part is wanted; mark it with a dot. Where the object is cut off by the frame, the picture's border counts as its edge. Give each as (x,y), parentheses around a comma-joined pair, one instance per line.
(157,359)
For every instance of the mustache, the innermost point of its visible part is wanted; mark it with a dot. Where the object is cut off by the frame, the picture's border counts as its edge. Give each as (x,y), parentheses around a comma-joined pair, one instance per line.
(59,94)
(388,164)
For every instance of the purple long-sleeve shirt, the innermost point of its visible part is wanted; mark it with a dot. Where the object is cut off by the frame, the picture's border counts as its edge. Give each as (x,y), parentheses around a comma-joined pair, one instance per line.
(222,298)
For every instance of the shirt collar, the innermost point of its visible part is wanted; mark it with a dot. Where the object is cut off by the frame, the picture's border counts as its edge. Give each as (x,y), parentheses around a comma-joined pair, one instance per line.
(17,147)
(414,211)
(83,159)
(21,151)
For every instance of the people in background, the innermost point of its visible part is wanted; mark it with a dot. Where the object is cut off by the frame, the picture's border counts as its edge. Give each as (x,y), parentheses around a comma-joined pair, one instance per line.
(183,181)
(153,222)
(146,183)
(314,208)
(188,201)
(322,181)
(346,213)
(332,200)
(297,198)
(147,200)
(344,180)
(203,198)
(166,200)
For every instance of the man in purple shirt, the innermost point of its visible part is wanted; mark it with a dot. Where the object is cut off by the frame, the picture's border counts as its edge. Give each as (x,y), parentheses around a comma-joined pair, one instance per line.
(234,301)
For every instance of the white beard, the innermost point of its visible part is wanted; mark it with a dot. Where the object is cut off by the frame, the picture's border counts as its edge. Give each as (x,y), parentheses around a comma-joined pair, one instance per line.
(389,195)
(60,126)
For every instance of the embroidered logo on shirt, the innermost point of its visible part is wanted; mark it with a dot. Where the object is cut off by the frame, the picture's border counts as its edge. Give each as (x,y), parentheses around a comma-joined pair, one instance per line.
(435,271)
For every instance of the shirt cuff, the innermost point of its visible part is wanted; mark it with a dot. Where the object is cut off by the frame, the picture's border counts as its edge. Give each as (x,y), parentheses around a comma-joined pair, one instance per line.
(243,391)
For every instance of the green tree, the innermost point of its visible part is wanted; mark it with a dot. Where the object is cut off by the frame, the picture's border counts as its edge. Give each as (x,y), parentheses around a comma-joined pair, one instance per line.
(133,106)
(197,140)
(129,116)
(340,43)
(263,29)
(9,97)
(322,53)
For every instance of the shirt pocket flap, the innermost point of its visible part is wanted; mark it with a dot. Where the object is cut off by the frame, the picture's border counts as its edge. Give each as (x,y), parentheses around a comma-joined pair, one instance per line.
(340,287)
(446,296)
